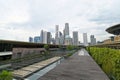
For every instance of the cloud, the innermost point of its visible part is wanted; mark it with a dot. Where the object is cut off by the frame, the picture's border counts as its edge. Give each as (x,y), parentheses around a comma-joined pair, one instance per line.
(109,14)
(28,17)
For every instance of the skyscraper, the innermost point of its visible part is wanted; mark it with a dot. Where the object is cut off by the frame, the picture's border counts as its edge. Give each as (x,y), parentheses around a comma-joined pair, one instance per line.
(41,36)
(85,41)
(75,38)
(57,31)
(48,37)
(66,31)
(93,40)
(30,39)
(61,38)
(57,34)
(45,37)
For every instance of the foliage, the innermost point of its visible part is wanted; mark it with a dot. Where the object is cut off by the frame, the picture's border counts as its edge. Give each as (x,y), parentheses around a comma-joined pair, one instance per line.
(46,46)
(60,46)
(5,75)
(108,59)
(70,47)
(69,54)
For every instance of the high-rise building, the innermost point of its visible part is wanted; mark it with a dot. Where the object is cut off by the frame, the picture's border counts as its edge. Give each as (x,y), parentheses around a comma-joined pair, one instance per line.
(60,34)
(93,40)
(57,31)
(37,39)
(45,37)
(48,37)
(57,35)
(75,38)
(41,36)
(85,41)
(30,39)
(52,41)
(61,40)
(66,30)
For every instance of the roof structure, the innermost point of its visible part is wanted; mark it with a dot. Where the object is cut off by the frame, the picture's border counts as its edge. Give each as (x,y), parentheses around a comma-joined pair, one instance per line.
(114,29)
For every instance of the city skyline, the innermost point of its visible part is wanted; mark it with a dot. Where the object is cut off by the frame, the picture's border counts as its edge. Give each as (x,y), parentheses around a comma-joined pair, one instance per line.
(24,18)
(62,38)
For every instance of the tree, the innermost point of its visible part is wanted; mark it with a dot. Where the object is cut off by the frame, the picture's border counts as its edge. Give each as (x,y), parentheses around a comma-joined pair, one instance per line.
(46,46)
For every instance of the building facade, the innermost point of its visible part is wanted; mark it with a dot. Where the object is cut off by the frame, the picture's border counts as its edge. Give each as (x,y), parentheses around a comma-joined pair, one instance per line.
(57,34)
(37,39)
(85,41)
(45,37)
(41,36)
(48,37)
(93,40)
(66,30)
(75,38)
(68,40)
(30,39)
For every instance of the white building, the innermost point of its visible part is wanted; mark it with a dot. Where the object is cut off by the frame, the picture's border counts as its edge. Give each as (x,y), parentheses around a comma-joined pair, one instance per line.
(45,37)
(85,40)
(57,34)
(41,36)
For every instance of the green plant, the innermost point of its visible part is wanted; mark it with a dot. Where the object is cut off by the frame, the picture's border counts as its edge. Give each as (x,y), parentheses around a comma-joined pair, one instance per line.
(108,59)
(70,47)
(46,46)
(5,75)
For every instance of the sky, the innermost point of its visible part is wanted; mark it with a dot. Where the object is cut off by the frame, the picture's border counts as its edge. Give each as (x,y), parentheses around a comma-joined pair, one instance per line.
(20,19)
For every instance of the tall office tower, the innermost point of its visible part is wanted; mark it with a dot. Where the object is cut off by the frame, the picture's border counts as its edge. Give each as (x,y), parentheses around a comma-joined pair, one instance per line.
(37,39)
(45,37)
(57,35)
(30,39)
(93,40)
(52,41)
(61,38)
(57,31)
(60,34)
(48,37)
(75,38)
(85,41)
(41,36)
(66,30)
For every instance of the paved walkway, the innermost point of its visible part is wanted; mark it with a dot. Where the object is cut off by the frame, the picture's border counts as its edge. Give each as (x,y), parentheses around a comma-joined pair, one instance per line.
(28,70)
(80,66)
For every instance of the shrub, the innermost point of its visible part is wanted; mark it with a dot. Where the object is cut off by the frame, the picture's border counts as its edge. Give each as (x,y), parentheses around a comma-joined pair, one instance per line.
(5,75)
(108,59)
(46,46)
(70,47)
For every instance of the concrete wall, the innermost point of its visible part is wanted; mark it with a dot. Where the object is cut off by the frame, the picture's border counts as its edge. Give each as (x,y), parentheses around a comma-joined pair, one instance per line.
(22,52)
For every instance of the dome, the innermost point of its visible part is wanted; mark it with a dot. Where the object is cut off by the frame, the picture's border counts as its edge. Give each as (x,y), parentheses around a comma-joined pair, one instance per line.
(67,36)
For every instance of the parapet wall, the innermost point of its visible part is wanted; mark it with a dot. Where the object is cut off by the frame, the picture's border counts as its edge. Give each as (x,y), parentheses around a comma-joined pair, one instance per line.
(22,52)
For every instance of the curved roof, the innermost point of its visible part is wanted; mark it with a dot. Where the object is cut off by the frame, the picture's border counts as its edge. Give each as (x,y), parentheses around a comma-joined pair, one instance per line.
(67,36)
(114,29)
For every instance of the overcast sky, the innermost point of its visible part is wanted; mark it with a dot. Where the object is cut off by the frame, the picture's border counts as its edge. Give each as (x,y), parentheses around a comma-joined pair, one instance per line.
(20,19)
